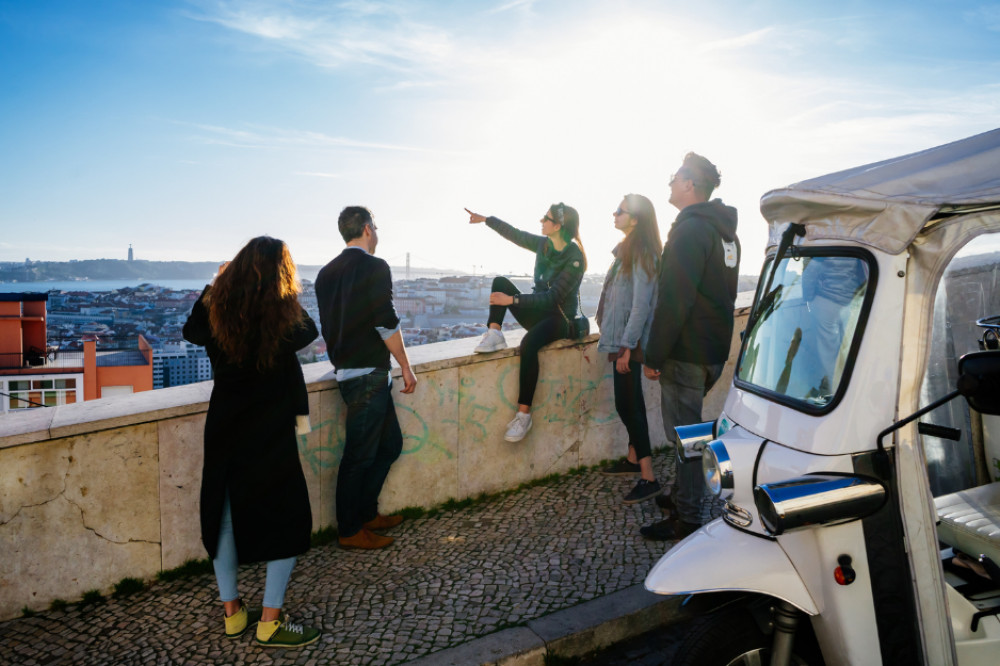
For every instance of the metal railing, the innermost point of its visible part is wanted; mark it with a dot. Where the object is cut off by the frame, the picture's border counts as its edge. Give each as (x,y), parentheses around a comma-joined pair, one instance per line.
(68,352)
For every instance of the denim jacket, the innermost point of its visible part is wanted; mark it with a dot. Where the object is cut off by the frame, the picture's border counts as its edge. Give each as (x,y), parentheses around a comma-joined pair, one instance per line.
(625,313)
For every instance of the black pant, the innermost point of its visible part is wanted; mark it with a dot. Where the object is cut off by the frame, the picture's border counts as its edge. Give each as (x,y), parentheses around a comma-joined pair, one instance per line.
(631,407)
(543,327)
(372,442)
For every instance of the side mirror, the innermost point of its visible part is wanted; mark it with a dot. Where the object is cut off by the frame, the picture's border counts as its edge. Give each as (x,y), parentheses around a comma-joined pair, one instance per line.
(979,380)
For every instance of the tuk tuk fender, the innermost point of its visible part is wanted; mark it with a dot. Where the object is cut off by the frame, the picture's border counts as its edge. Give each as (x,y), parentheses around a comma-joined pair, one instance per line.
(720,558)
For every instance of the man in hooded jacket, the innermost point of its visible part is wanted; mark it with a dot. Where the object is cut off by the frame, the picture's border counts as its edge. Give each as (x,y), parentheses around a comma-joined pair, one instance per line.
(692,324)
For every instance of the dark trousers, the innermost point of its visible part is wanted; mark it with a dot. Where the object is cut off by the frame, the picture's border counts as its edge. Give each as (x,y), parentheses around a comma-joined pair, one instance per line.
(683,387)
(543,327)
(372,443)
(631,407)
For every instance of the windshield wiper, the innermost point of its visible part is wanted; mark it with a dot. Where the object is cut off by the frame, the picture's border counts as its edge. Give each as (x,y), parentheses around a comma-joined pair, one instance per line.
(787,238)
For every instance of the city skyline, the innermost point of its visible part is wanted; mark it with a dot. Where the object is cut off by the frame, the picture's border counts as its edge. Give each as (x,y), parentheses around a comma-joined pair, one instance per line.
(186,127)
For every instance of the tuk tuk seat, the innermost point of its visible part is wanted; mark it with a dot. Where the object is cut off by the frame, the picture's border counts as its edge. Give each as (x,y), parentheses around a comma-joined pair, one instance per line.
(969,520)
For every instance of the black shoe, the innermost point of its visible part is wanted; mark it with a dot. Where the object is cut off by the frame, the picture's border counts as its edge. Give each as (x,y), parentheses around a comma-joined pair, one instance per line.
(684,528)
(666,503)
(662,530)
(621,468)
(643,490)
(668,530)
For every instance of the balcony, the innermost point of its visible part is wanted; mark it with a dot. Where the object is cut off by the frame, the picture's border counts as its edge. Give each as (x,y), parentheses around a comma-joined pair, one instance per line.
(67,355)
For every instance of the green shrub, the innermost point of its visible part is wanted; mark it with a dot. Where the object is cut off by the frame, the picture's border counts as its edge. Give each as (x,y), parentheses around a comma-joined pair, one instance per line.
(323,536)
(127,587)
(92,597)
(189,568)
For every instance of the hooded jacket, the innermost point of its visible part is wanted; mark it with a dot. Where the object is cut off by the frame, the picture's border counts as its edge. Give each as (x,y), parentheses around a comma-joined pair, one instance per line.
(696,288)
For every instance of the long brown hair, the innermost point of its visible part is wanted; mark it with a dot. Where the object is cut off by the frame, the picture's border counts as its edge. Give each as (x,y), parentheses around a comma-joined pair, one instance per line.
(253,304)
(641,245)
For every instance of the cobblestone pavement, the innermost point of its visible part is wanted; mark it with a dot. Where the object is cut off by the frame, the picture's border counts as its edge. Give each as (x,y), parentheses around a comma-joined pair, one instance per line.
(654,648)
(448,579)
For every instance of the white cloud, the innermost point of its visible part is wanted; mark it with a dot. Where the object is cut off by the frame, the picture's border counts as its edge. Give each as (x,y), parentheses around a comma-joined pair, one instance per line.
(274,137)
(317,174)
(740,42)
(513,4)
(337,35)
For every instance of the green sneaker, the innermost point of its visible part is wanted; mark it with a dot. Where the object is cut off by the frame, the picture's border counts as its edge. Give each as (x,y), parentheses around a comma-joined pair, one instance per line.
(284,634)
(238,623)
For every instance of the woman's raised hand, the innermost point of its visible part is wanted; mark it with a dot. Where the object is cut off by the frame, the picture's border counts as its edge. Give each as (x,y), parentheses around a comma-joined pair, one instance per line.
(475,218)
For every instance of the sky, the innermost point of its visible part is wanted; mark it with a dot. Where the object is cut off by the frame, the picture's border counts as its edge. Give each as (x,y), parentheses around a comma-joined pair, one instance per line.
(187,127)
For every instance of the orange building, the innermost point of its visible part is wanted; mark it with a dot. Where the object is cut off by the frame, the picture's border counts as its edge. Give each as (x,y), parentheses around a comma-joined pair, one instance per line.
(33,374)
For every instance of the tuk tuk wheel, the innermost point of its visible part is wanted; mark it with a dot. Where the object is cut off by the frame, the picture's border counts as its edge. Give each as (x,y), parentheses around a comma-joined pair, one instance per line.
(732,638)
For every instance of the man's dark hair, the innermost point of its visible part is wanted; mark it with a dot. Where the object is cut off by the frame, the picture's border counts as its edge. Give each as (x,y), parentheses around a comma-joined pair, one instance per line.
(703,174)
(352,222)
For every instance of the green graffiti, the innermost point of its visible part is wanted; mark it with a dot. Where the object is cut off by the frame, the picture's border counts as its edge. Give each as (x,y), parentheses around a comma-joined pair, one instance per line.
(568,399)
(423,439)
(328,453)
(560,399)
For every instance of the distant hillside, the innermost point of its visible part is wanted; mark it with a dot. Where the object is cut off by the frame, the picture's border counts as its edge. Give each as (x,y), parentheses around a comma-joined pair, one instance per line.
(109,269)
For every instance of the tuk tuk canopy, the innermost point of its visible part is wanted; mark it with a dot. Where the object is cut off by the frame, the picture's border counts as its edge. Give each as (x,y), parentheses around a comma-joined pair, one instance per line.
(887,204)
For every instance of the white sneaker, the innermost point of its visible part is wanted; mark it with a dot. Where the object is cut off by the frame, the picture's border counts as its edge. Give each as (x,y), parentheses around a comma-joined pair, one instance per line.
(518,428)
(492,341)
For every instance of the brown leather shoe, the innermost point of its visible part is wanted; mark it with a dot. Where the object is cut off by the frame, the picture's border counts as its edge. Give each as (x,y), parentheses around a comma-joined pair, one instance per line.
(380,522)
(365,539)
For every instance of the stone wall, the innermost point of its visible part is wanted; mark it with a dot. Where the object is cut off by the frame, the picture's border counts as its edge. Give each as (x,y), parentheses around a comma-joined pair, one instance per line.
(101,490)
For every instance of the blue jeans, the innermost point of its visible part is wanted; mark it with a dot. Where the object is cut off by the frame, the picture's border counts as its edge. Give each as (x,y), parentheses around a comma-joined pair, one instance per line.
(682,390)
(226,565)
(372,442)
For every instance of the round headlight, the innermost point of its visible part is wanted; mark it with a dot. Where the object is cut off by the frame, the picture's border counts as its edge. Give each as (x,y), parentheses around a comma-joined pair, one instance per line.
(717,469)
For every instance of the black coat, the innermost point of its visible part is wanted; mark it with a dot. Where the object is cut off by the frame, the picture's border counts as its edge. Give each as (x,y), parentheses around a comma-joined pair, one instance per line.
(696,288)
(251,448)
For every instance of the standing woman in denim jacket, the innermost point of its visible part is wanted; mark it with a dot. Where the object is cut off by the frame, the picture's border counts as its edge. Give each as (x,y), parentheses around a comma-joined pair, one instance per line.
(624,316)
(548,311)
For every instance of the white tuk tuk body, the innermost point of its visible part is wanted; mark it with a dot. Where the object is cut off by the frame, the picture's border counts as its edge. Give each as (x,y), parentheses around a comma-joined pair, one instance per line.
(861,327)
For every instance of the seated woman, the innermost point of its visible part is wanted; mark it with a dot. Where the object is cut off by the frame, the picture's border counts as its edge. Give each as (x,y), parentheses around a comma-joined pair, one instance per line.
(548,311)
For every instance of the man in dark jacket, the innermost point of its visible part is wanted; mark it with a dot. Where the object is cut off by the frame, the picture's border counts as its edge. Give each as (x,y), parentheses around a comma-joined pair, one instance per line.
(361,329)
(692,323)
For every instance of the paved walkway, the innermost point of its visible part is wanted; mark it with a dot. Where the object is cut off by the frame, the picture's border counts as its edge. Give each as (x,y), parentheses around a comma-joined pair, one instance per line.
(449,579)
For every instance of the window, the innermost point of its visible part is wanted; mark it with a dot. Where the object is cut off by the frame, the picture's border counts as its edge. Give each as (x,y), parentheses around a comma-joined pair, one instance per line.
(799,348)
(31,393)
(969,290)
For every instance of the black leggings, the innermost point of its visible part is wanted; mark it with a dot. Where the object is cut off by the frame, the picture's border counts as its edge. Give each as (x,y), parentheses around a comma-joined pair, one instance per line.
(543,327)
(631,407)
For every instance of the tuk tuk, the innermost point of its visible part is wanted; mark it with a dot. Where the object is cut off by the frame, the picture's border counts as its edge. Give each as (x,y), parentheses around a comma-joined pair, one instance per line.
(857,457)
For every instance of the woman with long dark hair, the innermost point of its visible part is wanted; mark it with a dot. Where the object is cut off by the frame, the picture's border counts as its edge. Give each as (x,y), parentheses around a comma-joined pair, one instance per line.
(624,316)
(549,310)
(254,501)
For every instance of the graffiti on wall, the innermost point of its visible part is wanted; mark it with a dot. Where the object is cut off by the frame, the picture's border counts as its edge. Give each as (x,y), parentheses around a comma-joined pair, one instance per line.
(481,409)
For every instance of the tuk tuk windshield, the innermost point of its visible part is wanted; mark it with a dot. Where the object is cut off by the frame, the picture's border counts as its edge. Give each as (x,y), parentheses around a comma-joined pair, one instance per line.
(799,348)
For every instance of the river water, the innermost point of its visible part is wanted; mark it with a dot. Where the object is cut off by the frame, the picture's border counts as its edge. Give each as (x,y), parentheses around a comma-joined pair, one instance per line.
(97,285)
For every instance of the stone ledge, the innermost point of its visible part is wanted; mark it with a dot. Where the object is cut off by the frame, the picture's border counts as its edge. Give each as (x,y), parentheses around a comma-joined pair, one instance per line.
(37,425)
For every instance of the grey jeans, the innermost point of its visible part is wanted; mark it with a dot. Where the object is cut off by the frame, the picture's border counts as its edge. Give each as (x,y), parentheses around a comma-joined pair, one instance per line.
(682,390)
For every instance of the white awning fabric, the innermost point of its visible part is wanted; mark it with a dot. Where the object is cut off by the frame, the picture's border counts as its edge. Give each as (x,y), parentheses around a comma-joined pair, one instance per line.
(886,204)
